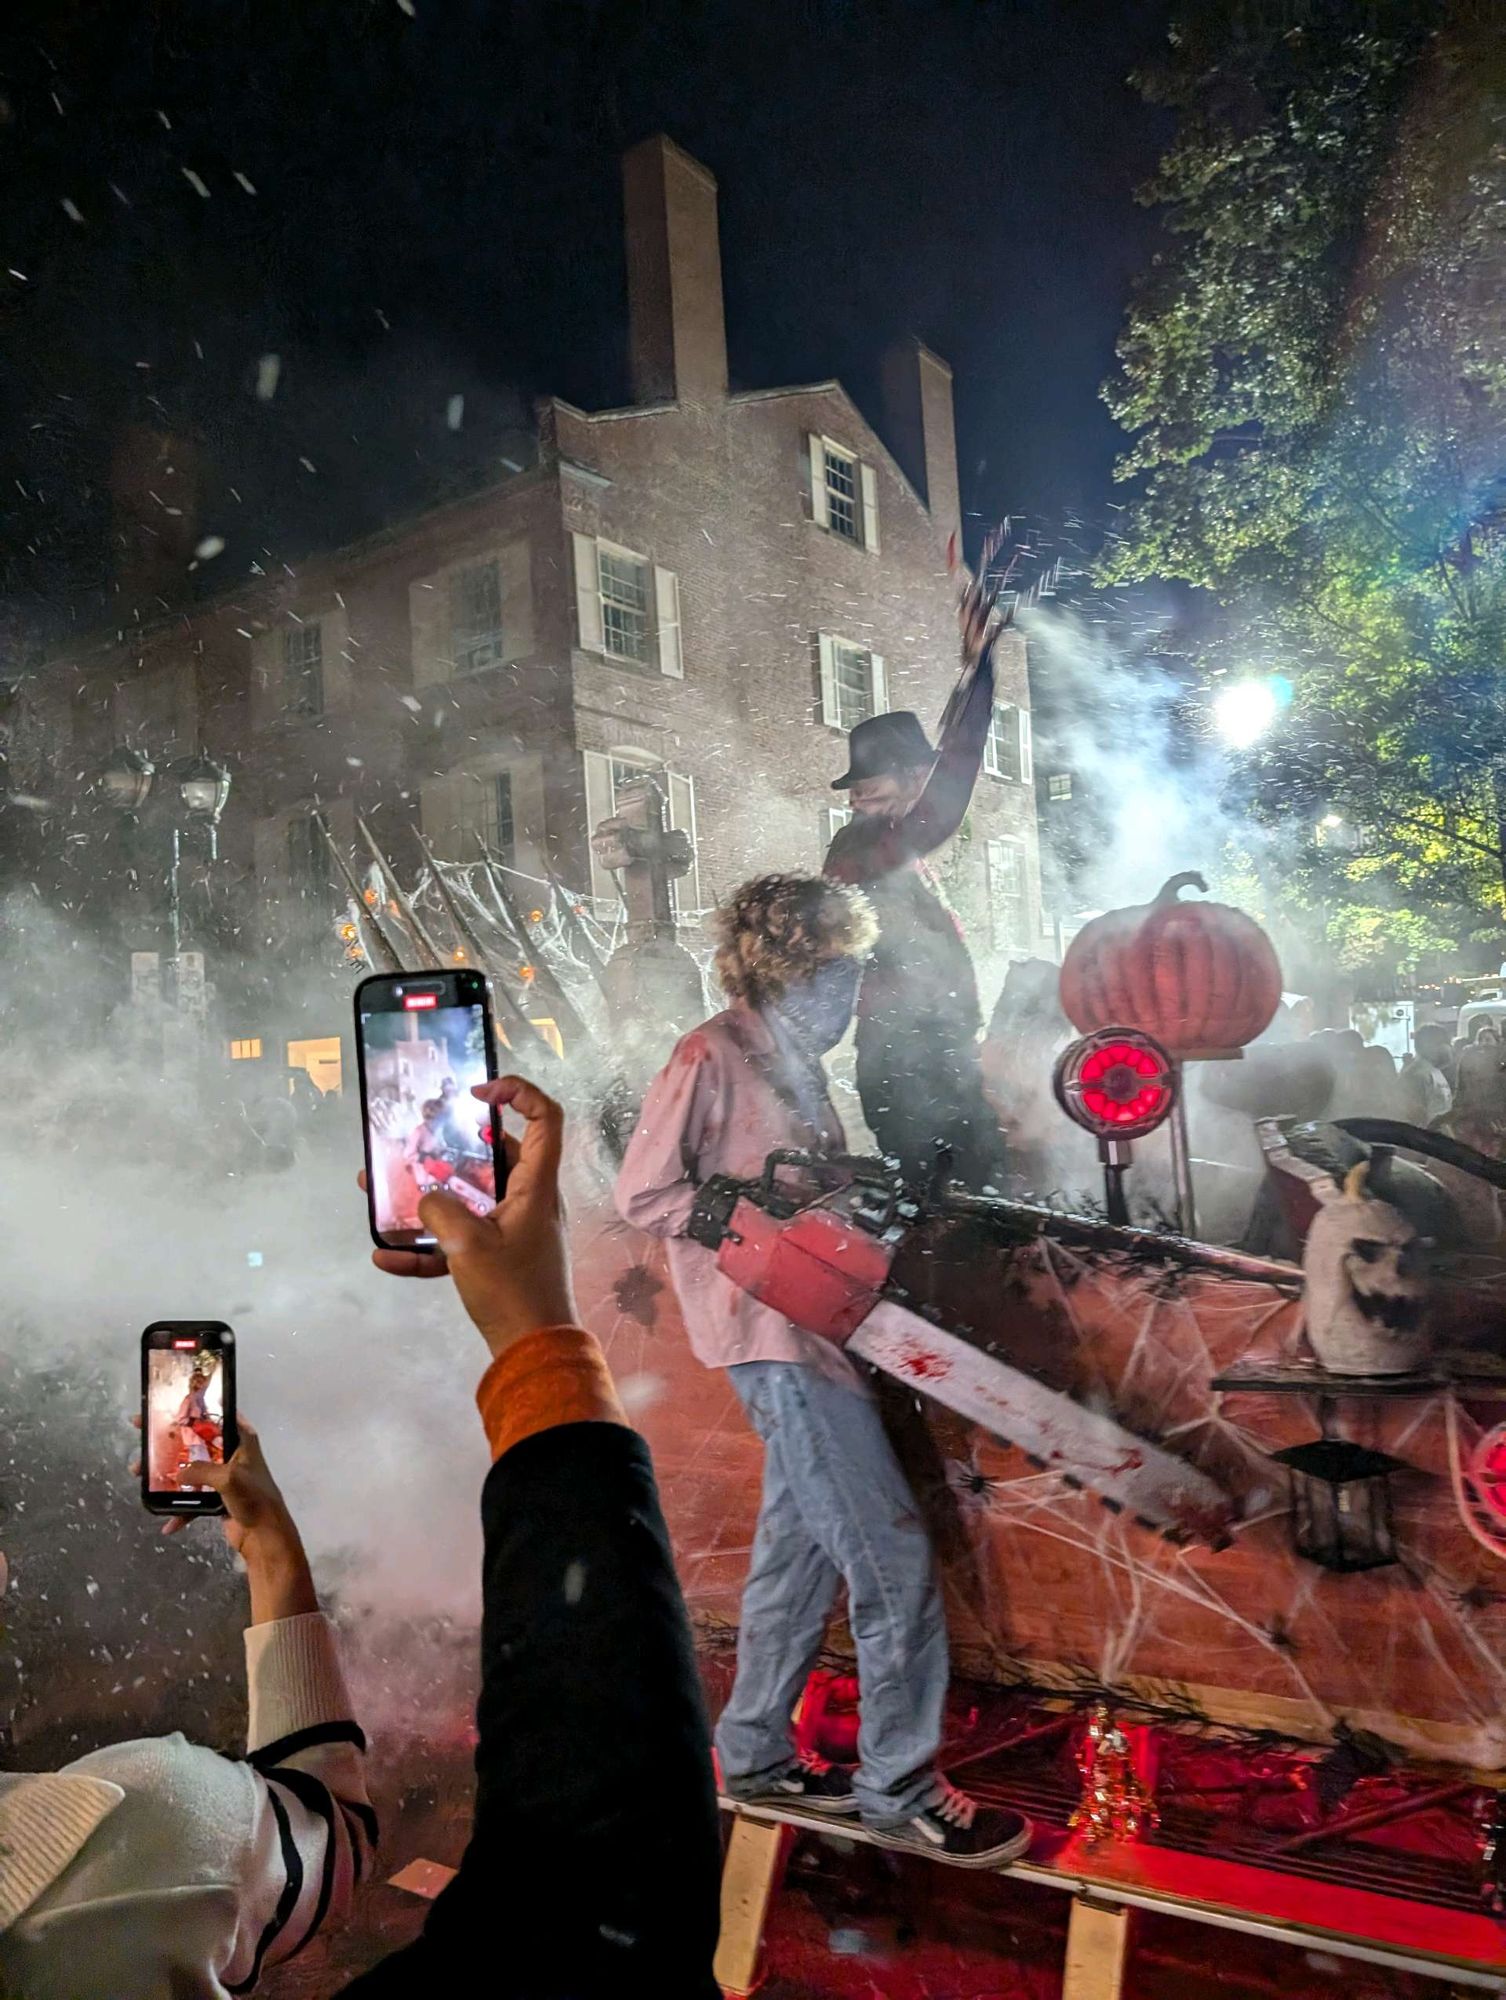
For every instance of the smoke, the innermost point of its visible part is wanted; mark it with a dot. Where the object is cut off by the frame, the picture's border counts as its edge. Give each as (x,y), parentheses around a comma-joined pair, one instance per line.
(134,1192)
(1151,799)
(1150,792)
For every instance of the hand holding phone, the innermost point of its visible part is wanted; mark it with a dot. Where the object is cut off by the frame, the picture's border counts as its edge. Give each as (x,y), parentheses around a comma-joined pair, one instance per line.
(512,1267)
(258,1524)
(187,1412)
(423,1040)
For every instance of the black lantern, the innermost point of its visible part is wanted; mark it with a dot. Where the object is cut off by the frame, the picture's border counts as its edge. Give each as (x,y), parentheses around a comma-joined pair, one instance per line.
(203,786)
(126,779)
(1341,1503)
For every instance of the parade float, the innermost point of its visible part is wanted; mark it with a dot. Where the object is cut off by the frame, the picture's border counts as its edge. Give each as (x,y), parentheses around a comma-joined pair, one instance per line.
(1241,1519)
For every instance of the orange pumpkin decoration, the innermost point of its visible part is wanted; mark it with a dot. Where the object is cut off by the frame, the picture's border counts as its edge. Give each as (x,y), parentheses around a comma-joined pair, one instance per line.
(1201,977)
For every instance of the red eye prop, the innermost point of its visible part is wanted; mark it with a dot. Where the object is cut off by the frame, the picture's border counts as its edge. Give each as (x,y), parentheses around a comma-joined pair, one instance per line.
(1116,1084)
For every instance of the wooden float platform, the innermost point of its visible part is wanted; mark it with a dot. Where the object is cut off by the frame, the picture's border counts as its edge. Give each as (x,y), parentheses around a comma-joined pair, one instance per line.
(1111,1883)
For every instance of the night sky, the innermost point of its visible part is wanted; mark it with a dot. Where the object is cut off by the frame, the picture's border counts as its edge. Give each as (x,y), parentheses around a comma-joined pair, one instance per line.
(436,211)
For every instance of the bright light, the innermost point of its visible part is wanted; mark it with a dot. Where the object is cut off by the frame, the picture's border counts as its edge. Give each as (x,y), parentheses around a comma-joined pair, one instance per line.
(1332,820)
(1243,712)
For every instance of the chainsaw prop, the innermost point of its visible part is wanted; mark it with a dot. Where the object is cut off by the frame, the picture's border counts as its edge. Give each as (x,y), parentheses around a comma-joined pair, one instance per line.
(822,1253)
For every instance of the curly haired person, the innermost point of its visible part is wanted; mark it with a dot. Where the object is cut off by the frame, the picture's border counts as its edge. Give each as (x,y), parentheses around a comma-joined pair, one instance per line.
(836,1508)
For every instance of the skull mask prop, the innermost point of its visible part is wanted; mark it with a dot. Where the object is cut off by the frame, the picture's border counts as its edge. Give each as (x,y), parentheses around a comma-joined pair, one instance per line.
(1365,1288)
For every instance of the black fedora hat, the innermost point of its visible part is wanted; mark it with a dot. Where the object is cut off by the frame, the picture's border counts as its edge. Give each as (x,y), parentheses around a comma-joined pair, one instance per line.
(882,745)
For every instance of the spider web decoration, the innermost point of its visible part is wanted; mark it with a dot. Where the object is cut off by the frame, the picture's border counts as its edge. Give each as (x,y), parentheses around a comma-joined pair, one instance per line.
(1044,1584)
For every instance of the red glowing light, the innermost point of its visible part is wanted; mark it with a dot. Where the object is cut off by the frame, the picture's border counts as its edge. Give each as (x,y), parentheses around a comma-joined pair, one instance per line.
(1122,1084)
(1116,1083)
(189,1344)
(1490,1472)
(413,1001)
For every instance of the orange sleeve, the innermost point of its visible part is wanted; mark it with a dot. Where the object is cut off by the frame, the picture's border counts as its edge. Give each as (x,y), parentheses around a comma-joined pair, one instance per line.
(557,1375)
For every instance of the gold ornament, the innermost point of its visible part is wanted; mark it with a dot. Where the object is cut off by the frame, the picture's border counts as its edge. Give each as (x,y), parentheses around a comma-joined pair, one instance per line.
(1115,1803)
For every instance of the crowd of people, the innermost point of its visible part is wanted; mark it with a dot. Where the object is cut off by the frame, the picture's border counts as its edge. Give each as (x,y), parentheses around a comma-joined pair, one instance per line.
(160,1870)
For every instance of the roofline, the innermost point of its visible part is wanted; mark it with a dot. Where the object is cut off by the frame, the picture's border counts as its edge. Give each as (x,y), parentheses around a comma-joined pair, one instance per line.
(95,639)
(830,387)
(540,471)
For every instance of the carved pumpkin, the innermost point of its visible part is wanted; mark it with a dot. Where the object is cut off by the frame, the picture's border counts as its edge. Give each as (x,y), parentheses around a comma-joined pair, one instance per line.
(1198,976)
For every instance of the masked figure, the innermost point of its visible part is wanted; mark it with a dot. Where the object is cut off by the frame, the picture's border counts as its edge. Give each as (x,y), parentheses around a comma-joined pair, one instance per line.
(836,1508)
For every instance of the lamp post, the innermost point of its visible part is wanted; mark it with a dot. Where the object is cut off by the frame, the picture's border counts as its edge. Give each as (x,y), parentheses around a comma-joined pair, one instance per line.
(203,787)
(129,781)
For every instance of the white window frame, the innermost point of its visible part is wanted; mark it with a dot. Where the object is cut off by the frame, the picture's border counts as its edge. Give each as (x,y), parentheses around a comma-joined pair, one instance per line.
(864,497)
(1009,720)
(662,609)
(1063,778)
(833,819)
(476,812)
(610,552)
(606,771)
(827,644)
(295,637)
(481,650)
(999,928)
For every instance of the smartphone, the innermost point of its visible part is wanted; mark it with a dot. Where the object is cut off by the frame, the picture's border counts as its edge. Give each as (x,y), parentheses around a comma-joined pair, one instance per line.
(422,1040)
(187,1411)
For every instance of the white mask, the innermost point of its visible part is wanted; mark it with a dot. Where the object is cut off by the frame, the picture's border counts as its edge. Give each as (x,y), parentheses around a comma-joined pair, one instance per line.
(1366,1292)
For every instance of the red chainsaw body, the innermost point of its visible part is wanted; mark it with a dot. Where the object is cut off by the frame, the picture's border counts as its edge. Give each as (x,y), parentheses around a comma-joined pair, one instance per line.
(818,1267)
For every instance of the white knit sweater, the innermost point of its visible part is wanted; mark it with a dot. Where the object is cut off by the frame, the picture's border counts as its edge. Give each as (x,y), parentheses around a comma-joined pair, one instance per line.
(159,1870)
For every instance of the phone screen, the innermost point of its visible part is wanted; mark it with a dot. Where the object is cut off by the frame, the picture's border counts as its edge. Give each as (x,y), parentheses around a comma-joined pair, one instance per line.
(187,1411)
(423,1043)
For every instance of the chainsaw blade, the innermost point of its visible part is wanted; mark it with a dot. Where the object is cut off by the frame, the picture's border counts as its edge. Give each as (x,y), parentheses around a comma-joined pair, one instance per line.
(1126,1472)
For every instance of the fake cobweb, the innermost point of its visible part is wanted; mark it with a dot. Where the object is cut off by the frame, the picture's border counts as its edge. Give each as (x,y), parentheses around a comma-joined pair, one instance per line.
(1046,1585)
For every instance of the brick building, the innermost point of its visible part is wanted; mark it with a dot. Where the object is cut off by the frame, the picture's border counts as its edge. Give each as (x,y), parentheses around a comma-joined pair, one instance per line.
(712,583)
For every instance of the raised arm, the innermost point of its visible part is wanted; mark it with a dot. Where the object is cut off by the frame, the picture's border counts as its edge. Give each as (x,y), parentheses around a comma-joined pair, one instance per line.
(869,846)
(306,1751)
(594,1858)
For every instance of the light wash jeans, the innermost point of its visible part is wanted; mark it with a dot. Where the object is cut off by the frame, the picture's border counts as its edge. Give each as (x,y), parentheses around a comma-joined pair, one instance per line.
(836,1509)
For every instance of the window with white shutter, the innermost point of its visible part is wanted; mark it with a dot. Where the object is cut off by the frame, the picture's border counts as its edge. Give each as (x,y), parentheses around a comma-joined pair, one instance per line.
(1006,754)
(303,668)
(1008,894)
(667,623)
(687,891)
(607,777)
(599,805)
(627,607)
(844,493)
(475,598)
(854,684)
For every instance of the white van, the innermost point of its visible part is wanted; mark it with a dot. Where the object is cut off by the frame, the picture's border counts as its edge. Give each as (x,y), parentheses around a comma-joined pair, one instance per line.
(1487,1009)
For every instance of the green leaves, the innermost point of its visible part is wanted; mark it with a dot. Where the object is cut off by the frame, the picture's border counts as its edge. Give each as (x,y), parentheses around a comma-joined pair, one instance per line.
(1312,377)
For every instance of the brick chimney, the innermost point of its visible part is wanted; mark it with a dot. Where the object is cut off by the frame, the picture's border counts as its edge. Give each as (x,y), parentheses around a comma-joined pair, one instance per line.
(154,492)
(917,388)
(677,328)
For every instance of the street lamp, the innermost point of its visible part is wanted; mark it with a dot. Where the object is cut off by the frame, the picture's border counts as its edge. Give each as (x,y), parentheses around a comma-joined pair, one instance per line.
(1245,710)
(126,779)
(203,786)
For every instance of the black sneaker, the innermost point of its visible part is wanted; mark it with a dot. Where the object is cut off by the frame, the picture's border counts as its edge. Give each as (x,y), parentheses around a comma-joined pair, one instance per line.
(959,1830)
(810,1782)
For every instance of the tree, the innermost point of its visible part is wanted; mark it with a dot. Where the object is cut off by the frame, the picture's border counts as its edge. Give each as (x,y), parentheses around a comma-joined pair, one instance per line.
(1314,377)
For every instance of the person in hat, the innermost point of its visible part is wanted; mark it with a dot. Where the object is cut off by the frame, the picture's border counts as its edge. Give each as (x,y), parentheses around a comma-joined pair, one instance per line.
(918,1072)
